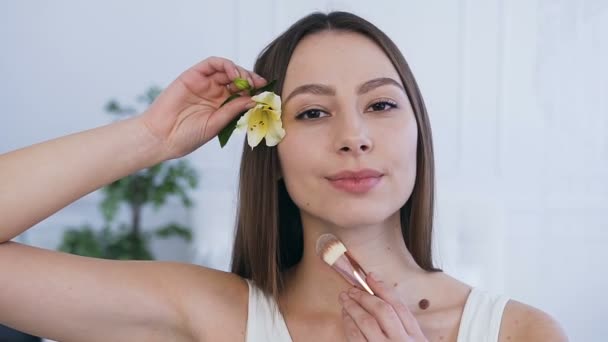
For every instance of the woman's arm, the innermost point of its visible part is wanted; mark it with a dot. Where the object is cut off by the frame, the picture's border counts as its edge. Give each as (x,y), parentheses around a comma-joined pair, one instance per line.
(39,180)
(72,298)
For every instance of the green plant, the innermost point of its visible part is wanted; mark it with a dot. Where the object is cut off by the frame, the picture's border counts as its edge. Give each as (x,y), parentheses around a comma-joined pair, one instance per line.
(148,187)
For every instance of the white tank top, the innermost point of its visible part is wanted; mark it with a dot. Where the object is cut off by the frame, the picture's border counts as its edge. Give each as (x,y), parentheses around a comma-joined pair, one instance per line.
(480,320)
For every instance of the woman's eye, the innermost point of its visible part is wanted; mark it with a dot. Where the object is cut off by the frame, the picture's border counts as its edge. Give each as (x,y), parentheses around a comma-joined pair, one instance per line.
(310,114)
(383,105)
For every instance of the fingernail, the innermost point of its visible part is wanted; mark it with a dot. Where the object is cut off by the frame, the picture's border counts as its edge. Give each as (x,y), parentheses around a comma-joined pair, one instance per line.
(236,72)
(250,81)
(250,104)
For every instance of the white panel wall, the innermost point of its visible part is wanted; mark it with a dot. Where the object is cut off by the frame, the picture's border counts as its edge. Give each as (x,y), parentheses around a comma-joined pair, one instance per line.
(516,92)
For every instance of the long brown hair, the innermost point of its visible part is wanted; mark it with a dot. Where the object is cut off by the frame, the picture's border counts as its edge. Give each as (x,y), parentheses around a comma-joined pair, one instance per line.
(269,237)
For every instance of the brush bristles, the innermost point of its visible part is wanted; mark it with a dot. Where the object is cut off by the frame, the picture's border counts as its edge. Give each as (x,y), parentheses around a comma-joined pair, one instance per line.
(330,248)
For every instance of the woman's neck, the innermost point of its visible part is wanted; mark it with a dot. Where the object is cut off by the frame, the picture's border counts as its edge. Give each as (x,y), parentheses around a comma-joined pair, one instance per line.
(312,286)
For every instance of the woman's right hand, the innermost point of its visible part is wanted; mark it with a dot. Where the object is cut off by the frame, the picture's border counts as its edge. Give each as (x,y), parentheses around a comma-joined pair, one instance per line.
(187,113)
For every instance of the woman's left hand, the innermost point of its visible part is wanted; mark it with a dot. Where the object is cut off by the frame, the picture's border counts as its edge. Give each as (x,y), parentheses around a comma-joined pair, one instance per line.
(383,317)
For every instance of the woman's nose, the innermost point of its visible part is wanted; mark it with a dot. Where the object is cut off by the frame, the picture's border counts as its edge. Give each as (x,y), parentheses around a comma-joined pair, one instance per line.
(353,136)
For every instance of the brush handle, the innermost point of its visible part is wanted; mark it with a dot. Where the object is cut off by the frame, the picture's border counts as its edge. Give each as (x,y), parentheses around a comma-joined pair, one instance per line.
(350,269)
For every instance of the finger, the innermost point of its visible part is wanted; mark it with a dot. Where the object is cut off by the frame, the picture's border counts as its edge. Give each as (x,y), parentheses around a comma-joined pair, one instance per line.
(233,88)
(365,321)
(214,64)
(221,78)
(258,80)
(383,312)
(225,114)
(351,330)
(390,296)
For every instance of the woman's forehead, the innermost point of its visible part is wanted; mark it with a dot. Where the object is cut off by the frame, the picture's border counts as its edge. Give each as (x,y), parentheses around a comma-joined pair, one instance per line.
(337,59)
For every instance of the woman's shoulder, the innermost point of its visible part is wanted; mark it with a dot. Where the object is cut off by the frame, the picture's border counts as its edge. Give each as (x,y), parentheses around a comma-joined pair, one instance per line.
(215,303)
(523,322)
(519,321)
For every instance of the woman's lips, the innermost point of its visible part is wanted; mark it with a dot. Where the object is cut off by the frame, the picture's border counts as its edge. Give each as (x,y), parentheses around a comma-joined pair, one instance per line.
(356,185)
(356,181)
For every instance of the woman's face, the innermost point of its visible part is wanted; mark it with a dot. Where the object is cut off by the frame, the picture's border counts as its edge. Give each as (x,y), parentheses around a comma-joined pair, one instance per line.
(345,109)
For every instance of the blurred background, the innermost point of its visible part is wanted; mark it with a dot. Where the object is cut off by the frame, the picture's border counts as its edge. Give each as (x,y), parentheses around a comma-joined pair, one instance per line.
(516,93)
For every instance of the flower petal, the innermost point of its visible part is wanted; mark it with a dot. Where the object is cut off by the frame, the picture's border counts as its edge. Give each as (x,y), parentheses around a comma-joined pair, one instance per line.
(243,122)
(270,99)
(275,115)
(275,132)
(275,102)
(261,97)
(257,127)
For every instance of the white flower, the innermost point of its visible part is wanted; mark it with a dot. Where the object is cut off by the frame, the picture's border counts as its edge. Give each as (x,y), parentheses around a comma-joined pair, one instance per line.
(263,120)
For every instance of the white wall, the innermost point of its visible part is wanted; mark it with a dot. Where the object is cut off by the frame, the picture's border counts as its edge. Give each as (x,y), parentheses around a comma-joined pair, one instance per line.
(516,91)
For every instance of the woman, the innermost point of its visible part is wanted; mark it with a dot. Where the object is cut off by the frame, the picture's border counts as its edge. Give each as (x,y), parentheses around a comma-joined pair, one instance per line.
(350,104)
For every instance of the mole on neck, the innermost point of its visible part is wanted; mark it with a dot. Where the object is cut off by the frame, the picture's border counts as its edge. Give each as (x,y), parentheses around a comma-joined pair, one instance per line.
(424,304)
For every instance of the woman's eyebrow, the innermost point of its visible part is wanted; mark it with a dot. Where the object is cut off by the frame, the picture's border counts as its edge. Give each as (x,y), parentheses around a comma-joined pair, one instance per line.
(321,89)
(378,82)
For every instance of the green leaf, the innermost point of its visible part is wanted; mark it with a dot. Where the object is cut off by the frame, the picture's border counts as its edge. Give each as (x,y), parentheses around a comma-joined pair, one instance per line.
(174,229)
(113,106)
(150,95)
(127,245)
(81,240)
(226,132)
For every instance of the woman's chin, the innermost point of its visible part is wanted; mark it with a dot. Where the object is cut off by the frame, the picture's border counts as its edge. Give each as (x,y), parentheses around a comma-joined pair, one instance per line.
(351,216)
(359,220)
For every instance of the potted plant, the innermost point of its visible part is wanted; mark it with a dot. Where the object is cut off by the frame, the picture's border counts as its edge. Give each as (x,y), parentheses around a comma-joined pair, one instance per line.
(150,187)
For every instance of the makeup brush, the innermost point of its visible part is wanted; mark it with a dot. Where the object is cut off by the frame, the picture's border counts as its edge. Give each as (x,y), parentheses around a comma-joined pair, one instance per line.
(334,253)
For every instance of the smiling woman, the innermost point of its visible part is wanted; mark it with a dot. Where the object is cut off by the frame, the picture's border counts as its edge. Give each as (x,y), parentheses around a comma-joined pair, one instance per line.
(359,117)
(355,161)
